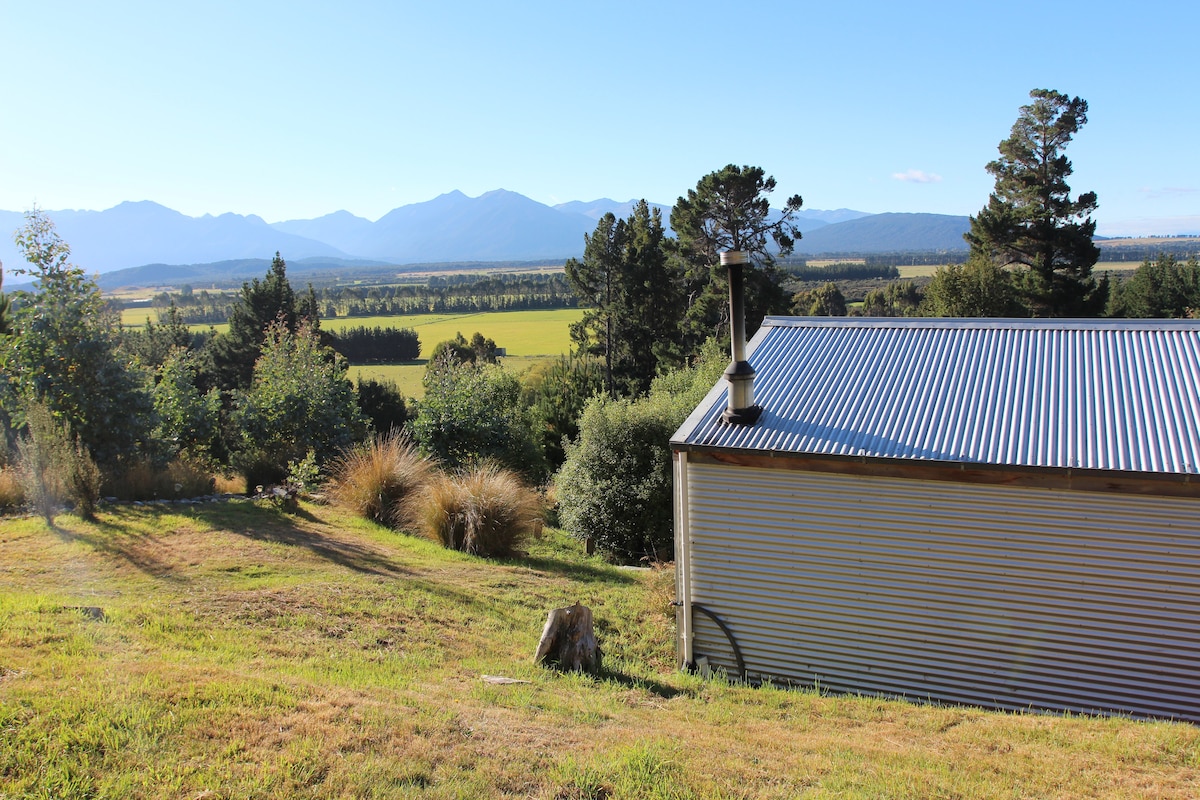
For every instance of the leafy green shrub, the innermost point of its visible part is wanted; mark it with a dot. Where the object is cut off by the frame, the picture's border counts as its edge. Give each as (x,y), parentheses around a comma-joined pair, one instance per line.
(299,401)
(374,479)
(382,403)
(188,420)
(472,414)
(615,487)
(486,511)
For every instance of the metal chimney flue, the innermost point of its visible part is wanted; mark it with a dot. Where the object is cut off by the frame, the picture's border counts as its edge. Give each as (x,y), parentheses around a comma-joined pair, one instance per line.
(741,409)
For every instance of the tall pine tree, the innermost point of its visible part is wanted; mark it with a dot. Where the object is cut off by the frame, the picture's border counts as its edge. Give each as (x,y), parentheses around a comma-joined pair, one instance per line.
(627,279)
(1031,223)
(730,209)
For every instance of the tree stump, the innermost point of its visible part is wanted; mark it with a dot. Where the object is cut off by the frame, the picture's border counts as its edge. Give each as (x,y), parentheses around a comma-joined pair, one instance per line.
(568,641)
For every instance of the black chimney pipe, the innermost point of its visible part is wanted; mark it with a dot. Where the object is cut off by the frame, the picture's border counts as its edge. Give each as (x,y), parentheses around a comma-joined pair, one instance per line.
(741,409)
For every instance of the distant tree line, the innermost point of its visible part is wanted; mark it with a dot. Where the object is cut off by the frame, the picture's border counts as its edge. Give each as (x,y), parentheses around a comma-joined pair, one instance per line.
(363,345)
(891,259)
(456,294)
(1178,246)
(847,271)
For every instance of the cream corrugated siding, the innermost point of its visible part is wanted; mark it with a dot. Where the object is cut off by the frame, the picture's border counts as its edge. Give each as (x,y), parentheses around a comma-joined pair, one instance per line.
(986,595)
(1065,394)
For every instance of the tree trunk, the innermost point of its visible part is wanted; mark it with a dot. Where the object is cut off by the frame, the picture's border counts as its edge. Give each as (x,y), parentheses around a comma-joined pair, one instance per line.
(569,641)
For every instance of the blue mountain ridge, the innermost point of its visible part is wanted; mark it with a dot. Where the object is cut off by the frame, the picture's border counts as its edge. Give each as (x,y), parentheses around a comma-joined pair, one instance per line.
(497,226)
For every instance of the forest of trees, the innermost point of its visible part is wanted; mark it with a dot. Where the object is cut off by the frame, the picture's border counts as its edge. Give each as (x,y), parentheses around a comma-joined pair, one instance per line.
(90,404)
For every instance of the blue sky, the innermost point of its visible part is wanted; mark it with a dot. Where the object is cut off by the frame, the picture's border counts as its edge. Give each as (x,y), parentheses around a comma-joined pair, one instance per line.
(297,109)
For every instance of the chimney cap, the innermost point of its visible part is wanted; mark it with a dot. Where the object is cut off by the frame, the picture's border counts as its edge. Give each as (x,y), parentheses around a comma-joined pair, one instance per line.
(731,257)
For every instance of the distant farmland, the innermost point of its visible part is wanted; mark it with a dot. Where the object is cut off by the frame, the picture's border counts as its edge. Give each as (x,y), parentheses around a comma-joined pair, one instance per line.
(521,333)
(529,337)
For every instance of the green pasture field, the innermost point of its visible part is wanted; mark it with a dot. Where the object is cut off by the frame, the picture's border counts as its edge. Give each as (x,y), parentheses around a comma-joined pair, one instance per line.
(529,338)
(408,376)
(521,333)
(233,651)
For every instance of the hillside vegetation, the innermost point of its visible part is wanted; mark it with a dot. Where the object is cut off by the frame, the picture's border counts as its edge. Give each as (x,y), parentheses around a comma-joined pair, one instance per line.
(230,650)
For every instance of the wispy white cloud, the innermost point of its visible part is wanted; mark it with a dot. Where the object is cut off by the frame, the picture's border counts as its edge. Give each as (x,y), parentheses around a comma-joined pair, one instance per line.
(917,176)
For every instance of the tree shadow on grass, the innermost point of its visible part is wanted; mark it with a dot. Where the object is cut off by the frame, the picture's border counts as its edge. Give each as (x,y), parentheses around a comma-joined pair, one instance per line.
(639,683)
(116,541)
(280,529)
(586,573)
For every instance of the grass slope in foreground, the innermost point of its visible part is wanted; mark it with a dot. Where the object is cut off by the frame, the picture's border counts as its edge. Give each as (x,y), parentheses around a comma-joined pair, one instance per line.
(248,654)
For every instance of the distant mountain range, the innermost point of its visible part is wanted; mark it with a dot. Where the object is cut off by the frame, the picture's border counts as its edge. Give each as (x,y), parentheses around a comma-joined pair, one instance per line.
(144,243)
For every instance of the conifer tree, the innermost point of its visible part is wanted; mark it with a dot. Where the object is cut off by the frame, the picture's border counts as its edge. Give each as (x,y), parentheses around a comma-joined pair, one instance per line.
(1031,223)
(626,278)
(262,304)
(730,209)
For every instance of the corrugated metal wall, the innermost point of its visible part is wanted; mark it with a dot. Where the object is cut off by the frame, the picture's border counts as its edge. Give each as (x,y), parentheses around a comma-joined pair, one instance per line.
(997,596)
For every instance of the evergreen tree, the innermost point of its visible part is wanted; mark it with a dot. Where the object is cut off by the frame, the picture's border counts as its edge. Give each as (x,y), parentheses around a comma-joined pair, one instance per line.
(730,210)
(153,344)
(1031,223)
(556,393)
(262,304)
(627,280)
(1161,288)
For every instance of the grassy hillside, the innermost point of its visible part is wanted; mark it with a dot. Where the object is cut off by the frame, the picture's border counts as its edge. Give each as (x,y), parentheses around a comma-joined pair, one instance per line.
(231,651)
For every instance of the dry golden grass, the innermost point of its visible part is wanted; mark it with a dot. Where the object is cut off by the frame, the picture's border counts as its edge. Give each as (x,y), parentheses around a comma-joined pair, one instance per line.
(229,484)
(485,511)
(146,481)
(374,479)
(247,653)
(11,494)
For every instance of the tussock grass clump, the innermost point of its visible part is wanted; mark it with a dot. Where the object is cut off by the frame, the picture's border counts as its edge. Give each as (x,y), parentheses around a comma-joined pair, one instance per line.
(147,481)
(11,494)
(373,480)
(485,511)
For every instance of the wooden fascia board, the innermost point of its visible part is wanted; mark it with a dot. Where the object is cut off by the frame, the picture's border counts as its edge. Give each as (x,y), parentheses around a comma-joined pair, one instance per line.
(1061,478)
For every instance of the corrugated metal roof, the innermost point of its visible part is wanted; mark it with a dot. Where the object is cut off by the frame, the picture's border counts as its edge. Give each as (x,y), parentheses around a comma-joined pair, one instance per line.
(1088,394)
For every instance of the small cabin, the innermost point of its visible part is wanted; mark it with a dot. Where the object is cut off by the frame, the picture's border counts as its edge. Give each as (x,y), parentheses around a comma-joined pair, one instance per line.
(1003,513)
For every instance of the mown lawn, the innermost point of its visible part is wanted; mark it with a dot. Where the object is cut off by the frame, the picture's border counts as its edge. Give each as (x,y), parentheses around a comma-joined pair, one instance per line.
(231,651)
